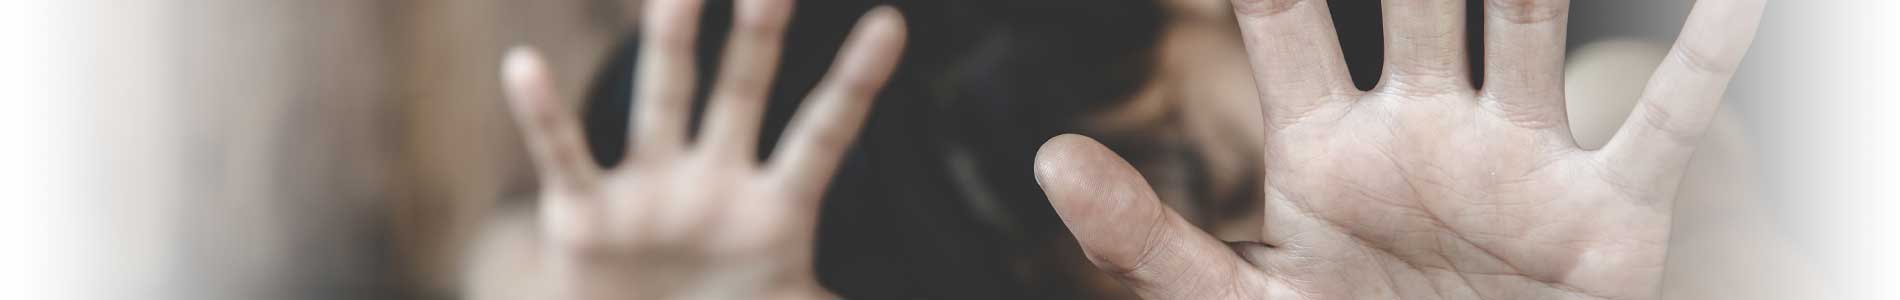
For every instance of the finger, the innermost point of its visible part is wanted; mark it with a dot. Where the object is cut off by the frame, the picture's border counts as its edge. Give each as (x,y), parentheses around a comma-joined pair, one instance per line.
(1524,60)
(1295,54)
(665,79)
(552,134)
(1124,229)
(1687,89)
(830,119)
(1425,47)
(745,78)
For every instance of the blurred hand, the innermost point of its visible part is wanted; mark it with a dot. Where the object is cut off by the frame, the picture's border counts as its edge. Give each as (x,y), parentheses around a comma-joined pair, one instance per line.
(705,219)
(1425,187)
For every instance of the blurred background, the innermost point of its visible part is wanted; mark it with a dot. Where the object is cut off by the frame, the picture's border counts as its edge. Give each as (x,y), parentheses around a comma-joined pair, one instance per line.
(351,149)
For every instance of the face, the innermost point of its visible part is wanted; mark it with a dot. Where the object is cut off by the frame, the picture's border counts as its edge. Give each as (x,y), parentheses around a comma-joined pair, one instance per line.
(1195,128)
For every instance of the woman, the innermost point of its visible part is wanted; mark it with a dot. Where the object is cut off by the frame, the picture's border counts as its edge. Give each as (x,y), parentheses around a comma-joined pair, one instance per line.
(944,165)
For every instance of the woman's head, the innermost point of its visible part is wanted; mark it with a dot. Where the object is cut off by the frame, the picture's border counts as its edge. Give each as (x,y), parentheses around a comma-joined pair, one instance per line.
(938,198)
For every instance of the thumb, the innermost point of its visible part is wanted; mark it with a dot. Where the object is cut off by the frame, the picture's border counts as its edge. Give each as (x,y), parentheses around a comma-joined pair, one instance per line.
(1125,230)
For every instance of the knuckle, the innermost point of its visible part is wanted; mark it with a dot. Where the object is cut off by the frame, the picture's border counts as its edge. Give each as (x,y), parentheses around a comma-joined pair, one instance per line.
(767,17)
(1421,81)
(665,102)
(1263,8)
(830,141)
(745,88)
(1701,61)
(671,40)
(671,24)
(1530,111)
(1528,11)
(1664,123)
(544,121)
(756,27)
(571,228)
(1142,256)
(858,86)
(548,117)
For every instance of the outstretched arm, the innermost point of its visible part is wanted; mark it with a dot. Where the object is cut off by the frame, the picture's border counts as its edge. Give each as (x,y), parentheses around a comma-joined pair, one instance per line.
(699,218)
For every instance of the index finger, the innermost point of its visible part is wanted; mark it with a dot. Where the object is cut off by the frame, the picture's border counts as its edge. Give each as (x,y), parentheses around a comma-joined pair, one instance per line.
(552,134)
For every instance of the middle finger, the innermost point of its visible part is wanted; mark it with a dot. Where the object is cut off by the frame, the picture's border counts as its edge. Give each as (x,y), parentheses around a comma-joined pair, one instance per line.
(745,78)
(1425,46)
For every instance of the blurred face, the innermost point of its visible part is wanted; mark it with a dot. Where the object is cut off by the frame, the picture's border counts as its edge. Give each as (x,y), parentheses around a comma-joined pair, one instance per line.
(1195,129)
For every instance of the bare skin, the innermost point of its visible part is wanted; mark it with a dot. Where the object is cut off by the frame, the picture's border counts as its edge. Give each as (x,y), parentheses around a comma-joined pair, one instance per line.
(1425,187)
(698,220)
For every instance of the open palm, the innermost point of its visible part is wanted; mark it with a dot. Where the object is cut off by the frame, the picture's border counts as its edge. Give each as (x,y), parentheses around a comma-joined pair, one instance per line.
(1427,186)
(697,218)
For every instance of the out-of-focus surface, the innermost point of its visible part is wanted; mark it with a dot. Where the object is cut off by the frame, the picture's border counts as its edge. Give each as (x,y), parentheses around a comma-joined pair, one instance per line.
(1819,91)
(229,149)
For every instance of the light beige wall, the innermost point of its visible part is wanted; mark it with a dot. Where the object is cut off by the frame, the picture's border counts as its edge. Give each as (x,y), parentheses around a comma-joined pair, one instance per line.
(461,152)
(326,149)
(283,108)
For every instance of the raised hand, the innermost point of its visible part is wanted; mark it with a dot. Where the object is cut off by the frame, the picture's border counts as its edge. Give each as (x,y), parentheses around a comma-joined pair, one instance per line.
(705,219)
(1426,187)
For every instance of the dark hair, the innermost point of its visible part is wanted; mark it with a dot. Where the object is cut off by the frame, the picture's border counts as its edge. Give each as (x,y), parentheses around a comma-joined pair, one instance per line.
(937,199)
